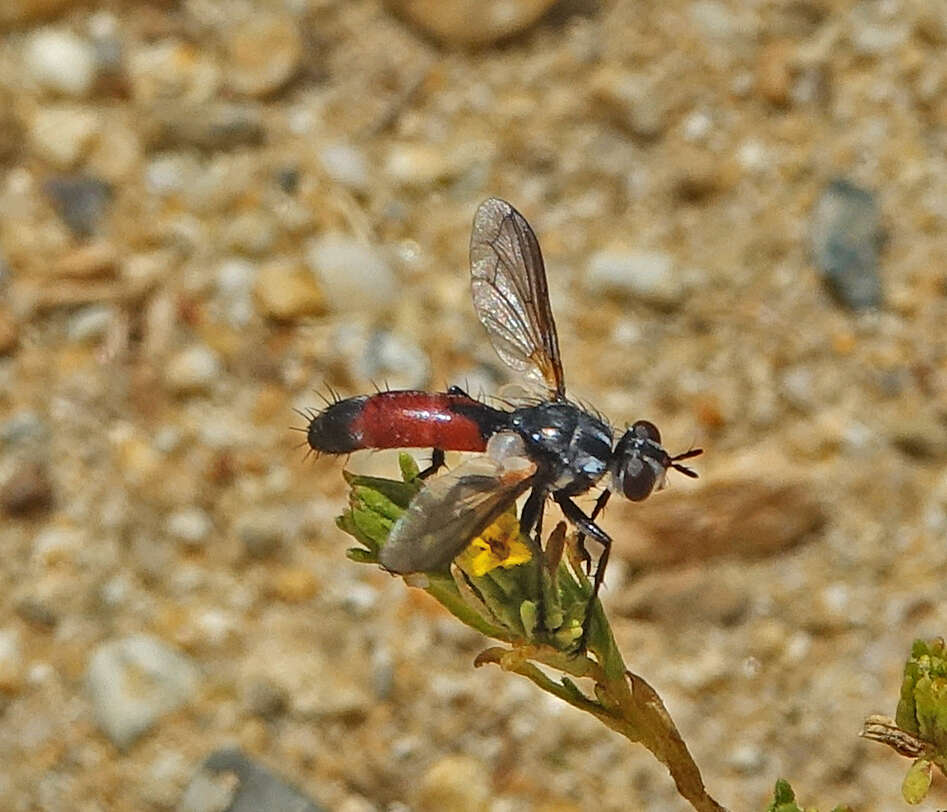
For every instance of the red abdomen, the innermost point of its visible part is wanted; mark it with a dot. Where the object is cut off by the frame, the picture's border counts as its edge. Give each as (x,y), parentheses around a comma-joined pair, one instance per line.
(405,419)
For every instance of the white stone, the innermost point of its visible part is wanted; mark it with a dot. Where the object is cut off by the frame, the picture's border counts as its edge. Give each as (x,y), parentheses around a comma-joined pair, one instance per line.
(193,369)
(646,275)
(135,681)
(354,276)
(345,164)
(62,134)
(60,61)
(12,663)
(190,525)
(90,324)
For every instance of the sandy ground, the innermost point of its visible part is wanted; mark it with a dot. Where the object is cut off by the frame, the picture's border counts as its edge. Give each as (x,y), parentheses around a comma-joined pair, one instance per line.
(211,211)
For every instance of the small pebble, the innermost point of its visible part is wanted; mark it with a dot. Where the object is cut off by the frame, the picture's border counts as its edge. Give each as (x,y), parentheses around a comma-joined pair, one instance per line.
(263,53)
(230,781)
(632,101)
(193,370)
(262,533)
(28,492)
(697,173)
(63,134)
(250,232)
(353,275)
(920,436)
(23,428)
(286,291)
(264,698)
(645,275)
(18,12)
(346,165)
(293,585)
(773,72)
(9,332)
(235,285)
(61,62)
(746,759)
(87,261)
(55,545)
(458,783)
(394,358)
(212,127)
(38,611)
(713,16)
(135,681)
(90,324)
(422,165)
(472,22)
(12,662)
(381,356)
(846,239)
(189,525)
(80,201)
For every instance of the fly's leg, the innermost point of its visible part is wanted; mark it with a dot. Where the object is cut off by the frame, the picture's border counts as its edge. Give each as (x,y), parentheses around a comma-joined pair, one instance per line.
(531,520)
(580,537)
(437,454)
(437,462)
(587,527)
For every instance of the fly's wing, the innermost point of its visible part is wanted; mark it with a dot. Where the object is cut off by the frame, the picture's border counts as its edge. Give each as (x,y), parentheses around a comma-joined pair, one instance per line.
(449,512)
(510,295)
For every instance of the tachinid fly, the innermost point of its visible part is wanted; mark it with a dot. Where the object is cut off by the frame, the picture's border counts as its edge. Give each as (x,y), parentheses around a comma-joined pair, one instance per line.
(552,448)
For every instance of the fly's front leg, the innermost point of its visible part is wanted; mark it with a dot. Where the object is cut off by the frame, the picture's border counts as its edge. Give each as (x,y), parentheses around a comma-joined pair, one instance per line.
(531,519)
(580,538)
(437,462)
(587,527)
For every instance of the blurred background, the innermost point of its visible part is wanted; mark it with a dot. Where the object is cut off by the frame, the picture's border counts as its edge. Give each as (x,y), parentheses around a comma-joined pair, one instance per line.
(213,210)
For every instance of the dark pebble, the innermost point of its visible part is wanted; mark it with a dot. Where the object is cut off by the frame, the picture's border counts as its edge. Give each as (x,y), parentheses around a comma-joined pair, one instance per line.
(214,127)
(255,788)
(265,699)
(34,610)
(846,240)
(288,180)
(80,200)
(27,492)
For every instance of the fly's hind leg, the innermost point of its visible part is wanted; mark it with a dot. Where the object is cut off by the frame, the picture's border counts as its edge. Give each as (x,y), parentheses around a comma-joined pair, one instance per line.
(437,462)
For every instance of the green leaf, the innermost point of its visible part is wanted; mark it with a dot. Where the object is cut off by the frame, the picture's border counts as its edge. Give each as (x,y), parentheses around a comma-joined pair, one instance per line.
(917,781)
(401,493)
(371,526)
(409,467)
(922,708)
(378,502)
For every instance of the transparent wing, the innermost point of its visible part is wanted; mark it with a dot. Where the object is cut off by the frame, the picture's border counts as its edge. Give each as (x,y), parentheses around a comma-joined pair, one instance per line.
(450,511)
(510,294)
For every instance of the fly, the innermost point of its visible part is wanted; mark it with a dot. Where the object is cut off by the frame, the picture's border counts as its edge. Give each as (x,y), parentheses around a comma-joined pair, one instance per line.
(552,448)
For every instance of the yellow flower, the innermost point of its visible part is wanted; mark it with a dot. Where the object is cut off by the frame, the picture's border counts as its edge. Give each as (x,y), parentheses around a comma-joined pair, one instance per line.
(498,546)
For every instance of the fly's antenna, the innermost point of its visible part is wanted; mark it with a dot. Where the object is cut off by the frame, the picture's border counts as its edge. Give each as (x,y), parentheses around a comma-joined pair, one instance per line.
(676,465)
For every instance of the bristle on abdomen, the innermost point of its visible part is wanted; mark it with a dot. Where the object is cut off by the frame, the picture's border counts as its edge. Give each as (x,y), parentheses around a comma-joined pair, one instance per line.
(335,430)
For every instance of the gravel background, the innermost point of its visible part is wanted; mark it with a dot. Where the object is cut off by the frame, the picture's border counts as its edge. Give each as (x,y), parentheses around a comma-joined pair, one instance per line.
(211,210)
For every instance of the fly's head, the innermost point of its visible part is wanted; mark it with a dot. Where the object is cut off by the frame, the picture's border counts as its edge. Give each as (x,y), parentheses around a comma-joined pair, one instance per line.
(640,463)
